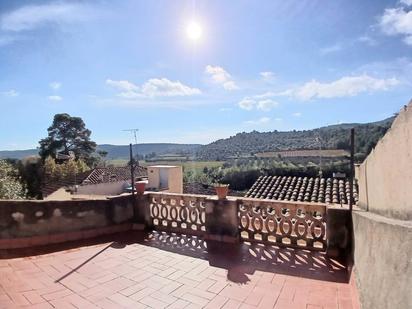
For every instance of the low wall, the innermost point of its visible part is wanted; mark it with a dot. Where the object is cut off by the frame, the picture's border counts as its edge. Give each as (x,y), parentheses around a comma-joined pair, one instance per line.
(384,178)
(29,223)
(383,264)
(302,225)
(109,188)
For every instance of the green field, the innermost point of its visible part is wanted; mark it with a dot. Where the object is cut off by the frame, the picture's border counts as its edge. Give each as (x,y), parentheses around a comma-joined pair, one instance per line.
(187,165)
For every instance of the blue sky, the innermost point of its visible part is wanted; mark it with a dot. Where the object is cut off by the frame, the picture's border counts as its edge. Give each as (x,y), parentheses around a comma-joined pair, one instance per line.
(256,65)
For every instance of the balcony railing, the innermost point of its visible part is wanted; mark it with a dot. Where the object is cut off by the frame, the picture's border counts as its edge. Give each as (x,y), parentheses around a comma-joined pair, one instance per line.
(292,224)
(178,213)
(302,225)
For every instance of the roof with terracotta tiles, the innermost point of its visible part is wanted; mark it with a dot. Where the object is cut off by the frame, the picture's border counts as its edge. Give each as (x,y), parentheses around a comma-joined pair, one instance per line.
(113,174)
(51,185)
(94,176)
(302,189)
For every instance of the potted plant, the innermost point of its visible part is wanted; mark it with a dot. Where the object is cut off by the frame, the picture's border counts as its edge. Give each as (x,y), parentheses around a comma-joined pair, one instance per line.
(221,190)
(140,186)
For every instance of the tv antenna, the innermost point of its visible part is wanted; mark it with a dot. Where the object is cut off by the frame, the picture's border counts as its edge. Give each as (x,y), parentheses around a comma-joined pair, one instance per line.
(134,132)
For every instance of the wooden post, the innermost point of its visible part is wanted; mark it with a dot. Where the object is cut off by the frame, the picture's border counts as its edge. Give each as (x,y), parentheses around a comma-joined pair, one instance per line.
(132,169)
(352,166)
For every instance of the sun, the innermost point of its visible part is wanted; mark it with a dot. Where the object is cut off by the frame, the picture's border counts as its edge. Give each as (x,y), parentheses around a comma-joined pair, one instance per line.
(194,31)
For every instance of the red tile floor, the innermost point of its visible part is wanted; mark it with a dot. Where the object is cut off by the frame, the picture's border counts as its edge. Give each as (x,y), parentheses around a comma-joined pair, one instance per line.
(169,271)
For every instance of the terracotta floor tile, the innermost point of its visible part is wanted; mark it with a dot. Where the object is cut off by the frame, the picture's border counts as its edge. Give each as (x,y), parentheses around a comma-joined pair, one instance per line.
(195,299)
(179,304)
(122,300)
(158,274)
(33,297)
(232,304)
(217,302)
(153,302)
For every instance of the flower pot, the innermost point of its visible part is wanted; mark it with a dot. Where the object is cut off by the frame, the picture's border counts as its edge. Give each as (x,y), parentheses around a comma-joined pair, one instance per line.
(140,186)
(221,191)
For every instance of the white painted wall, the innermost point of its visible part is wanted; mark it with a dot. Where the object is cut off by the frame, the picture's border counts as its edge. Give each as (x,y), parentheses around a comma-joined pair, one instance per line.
(158,174)
(109,188)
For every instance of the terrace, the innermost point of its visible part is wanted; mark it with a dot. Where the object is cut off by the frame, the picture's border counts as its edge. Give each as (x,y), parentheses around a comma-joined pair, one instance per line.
(172,250)
(161,250)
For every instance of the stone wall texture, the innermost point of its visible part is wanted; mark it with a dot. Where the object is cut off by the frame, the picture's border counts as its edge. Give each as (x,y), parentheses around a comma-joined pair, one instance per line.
(385,177)
(27,219)
(382,229)
(383,264)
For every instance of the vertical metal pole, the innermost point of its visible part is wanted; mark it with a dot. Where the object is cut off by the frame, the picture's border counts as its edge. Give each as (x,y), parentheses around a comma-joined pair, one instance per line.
(132,168)
(135,142)
(352,166)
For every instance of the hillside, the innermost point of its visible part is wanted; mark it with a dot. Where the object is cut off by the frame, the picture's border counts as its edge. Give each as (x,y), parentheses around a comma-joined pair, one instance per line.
(117,151)
(122,151)
(332,137)
(249,144)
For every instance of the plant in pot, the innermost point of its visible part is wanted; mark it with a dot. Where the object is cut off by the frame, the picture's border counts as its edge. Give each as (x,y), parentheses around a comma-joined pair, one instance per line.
(221,190)
(140,186)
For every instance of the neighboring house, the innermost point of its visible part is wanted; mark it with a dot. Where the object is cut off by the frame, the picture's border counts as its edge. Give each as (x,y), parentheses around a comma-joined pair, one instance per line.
(98,181)
(53,187)
(165,178)
(303,189)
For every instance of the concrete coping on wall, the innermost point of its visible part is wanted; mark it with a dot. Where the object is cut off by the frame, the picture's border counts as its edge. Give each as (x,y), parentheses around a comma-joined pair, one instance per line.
(382,219)
(25,223)
(36,222)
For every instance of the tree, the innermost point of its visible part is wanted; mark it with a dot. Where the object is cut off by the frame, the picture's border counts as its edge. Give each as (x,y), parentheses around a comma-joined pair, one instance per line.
(10,187)
(67,134)
(31,175)
(52,170)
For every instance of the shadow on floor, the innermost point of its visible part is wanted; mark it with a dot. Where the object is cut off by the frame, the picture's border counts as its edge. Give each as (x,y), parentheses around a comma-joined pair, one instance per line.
(246,258)
(239,259)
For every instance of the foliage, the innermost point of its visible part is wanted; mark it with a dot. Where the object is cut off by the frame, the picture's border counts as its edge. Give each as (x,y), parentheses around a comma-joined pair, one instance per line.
(240,174)
(67,134)
(331,137)
(31,175)
(68,168)
(10,186)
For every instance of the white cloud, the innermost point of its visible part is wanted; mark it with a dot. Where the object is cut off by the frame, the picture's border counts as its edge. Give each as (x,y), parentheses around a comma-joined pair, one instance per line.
(266,105)
(297,114)
(33,16)
(221,76)
(397,21)
(259,121)
(367,40)
(166,88)
(122,85)
(55,98)
(406,2)
(331,49)
(249,103)
(154,87)
(344,87)
(11,93)
(267,76)
(55,85)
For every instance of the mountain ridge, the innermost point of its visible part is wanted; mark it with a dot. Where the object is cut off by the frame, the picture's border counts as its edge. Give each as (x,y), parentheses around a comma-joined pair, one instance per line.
(249,143)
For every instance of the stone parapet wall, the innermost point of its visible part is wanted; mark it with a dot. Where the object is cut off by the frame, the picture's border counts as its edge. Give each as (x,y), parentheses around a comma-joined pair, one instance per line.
(291,224)
(29,223)
(383,265)
(385,177)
